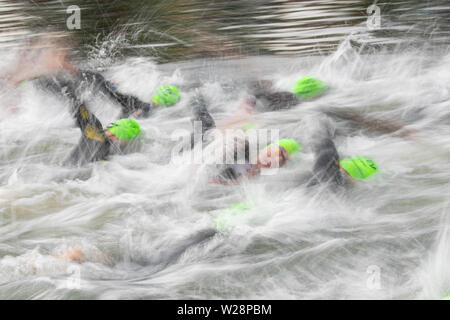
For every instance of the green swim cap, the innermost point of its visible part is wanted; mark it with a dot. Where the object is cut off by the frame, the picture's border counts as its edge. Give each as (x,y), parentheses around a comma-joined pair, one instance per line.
(166,96)
(446,298)
(124,129)
(248,126)
(308,87)
(359,167)
(224,221)
(291,145)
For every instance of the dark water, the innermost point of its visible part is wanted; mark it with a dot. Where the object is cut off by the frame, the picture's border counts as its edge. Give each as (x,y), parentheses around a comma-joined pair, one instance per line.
(181,30)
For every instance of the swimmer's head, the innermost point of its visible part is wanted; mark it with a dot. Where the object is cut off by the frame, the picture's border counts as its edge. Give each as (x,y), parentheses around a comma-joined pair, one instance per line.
(227,217)
(123,130)
(308,87)
(166,96)
(358,167)
(248,126)
(276,154)
(290,145)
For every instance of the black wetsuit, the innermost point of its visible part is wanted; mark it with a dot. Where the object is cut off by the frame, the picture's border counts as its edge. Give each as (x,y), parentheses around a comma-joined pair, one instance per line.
(97,83)
(326,167)
(130,104)
(271,101)
(201,114)
(94,144)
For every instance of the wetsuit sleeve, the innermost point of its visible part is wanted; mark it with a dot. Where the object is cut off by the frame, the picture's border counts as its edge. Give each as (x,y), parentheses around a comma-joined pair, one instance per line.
(201,114)
(277,100)
(226,176)
(130,104)
(90,126)
(57,84)
(326,167)
(270,100)
(94,144)
(383,126)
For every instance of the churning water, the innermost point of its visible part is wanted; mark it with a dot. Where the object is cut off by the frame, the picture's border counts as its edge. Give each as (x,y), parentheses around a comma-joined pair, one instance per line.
(136,217)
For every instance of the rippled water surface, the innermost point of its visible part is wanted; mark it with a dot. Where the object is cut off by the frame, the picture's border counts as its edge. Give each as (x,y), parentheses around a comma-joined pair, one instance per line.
(136,215)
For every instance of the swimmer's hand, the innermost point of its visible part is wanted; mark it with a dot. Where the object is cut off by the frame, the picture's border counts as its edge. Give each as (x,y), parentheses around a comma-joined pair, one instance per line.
(73,254)
(81,254)
(254,171)
(225,183)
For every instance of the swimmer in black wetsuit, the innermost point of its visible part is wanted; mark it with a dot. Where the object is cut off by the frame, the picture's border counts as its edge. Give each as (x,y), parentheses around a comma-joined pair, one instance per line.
(79,80)
(45,61)
(326,167)
(97,143)
(330,169)
(270,100)
(273,156)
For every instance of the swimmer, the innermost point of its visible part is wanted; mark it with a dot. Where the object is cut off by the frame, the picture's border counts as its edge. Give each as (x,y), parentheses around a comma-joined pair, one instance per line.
(45,61)
(306,88)
(132,106)
(274,155)
(97,143)
(167,256)
(329,168)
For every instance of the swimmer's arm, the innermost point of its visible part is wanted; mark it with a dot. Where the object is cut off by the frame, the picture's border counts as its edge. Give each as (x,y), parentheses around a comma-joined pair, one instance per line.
(77,254)
(377,125)
(131,106)
(388,126)
(249,175)
(80,112)
(226,177)
(88,123)
(233,179)
(72,254)
(227,182)
(254,171)
(135,107)
(94,144)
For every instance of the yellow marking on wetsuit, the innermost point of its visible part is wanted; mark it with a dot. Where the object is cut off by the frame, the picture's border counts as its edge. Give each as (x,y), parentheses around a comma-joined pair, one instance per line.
(92,132)
(84,113)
